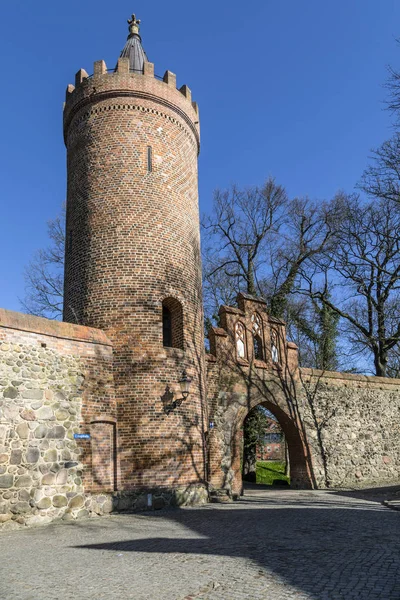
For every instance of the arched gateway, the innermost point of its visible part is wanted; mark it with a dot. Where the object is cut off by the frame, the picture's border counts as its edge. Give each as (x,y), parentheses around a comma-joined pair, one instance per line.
(250,364)
(299,458)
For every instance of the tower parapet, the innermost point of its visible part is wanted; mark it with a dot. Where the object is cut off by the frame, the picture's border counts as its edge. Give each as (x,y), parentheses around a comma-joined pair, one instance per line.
(123,83)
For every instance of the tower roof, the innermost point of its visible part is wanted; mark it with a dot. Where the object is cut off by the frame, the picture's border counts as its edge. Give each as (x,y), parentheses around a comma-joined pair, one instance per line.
(133,48)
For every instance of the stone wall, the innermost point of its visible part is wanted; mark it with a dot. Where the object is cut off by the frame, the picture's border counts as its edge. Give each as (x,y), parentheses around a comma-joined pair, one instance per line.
(353,425)
(55,381)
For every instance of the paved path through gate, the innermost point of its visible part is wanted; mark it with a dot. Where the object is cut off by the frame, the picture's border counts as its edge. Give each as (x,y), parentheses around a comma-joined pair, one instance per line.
(272,545)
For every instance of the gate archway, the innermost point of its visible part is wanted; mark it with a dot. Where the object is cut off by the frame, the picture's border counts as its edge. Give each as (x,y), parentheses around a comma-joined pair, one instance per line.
(300,476)
(226,444)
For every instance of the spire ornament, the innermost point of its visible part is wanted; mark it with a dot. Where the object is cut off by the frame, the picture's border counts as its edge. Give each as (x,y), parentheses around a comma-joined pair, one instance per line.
(133,48)
(133,23)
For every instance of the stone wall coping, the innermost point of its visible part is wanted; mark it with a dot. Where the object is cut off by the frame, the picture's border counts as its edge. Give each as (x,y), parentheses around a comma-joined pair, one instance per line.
(250,298)
(219,331)
(57,329)
(231,310)
(354,377)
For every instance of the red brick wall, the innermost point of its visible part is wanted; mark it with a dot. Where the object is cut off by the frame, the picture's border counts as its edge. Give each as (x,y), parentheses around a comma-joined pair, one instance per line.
(271,451)
(135,242)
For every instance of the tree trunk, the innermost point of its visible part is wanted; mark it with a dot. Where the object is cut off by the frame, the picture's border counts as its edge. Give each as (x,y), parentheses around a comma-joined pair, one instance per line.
(287,465)
(380,367)
(251,286)
(249,466)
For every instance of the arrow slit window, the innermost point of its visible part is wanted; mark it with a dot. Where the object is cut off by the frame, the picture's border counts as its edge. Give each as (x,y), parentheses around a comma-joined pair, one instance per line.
(149,159)
(172,323)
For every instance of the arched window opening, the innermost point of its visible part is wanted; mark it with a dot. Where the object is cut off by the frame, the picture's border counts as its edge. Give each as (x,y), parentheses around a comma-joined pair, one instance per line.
(172,323)
(257,337)
(167,328)
(274,347)
(240,340)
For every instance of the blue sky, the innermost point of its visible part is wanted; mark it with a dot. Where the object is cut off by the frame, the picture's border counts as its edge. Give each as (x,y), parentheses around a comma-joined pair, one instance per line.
(290,89)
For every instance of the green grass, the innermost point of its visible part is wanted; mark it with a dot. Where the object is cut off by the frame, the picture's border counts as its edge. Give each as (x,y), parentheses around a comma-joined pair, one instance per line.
(267,471)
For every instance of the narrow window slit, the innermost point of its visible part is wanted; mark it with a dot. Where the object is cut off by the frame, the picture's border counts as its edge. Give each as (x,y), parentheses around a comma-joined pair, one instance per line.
(172,323)
(149,159)
(240,340)
(167,327)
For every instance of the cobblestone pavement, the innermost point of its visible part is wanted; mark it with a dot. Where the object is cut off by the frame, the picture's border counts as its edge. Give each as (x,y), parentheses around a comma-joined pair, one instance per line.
(272,545)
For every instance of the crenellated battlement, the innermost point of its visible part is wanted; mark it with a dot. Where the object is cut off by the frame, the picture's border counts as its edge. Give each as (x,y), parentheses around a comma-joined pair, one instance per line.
(123,83)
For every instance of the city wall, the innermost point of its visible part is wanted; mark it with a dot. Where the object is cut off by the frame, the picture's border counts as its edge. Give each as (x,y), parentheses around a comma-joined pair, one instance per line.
(342,430)
(55,383)
(353,425)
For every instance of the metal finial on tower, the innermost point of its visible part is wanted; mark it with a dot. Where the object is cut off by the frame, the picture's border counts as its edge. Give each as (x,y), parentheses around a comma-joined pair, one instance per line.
(133,48)
(133,23)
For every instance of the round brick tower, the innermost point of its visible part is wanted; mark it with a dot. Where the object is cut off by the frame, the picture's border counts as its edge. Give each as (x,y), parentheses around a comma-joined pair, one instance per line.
(133,264)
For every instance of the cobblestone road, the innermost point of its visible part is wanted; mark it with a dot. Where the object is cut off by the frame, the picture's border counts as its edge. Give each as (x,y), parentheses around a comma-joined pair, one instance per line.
(272,545)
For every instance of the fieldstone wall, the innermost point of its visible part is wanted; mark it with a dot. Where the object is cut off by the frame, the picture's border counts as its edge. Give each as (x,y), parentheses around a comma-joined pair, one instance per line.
(158,498)
(353,428)
(51,387)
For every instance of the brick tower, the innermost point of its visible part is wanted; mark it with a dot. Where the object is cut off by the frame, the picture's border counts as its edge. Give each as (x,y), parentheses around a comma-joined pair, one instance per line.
(133,266)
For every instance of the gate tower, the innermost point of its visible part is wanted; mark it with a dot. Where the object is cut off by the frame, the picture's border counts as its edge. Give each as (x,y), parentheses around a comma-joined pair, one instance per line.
(132,265)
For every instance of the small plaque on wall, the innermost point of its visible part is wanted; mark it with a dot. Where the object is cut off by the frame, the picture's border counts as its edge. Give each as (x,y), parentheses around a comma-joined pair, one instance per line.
(82,436)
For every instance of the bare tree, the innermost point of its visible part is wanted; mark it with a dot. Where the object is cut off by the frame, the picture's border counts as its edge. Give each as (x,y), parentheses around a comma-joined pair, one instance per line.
(381,179)
(393,86)
(237,232)
(365,269)
(314,327)
(393,366)
(305,234)
(44,275)
(254,430)
(257,241)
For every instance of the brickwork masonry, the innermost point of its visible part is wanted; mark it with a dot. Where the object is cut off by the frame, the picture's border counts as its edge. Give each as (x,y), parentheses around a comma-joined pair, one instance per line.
(133,245)
(56,382)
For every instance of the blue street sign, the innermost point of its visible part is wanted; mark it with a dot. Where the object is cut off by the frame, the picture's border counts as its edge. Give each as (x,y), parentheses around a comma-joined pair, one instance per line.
(82,436)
